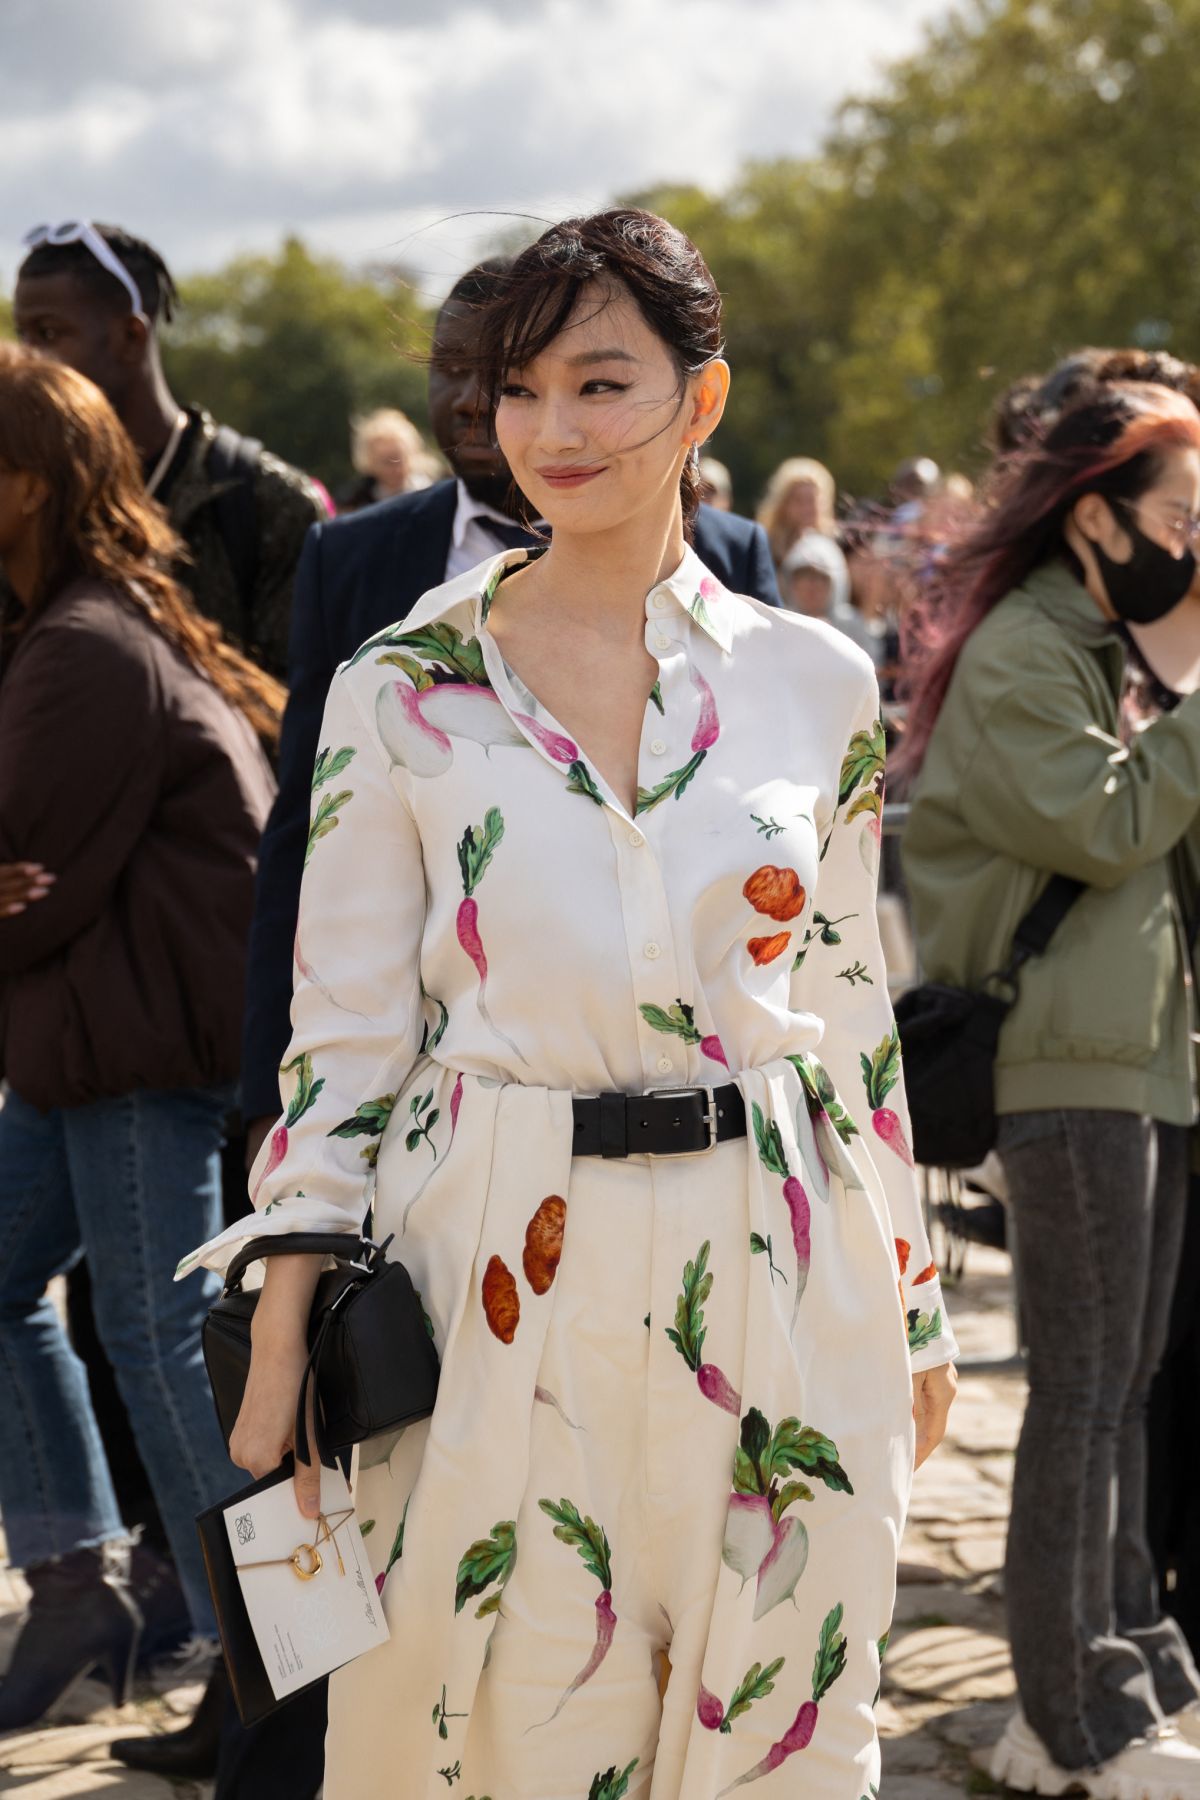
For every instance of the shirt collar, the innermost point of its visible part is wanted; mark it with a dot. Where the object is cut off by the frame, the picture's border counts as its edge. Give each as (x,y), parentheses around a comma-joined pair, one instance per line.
(1057,591)
(467,509)
(691,587)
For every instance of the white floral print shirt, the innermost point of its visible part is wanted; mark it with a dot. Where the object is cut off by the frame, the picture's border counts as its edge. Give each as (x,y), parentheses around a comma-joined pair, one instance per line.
(475,893)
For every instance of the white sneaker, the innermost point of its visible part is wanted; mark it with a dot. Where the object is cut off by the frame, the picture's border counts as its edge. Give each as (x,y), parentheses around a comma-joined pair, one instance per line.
(1161,1766)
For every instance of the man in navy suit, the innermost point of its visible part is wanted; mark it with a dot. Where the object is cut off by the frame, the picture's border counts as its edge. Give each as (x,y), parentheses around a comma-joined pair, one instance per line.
(356,576)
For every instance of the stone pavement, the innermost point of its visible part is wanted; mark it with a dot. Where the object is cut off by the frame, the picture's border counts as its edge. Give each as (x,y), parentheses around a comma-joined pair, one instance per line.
(947,1681)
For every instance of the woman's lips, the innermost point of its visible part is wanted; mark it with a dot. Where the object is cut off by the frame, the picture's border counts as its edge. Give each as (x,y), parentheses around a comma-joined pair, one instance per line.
(567,477)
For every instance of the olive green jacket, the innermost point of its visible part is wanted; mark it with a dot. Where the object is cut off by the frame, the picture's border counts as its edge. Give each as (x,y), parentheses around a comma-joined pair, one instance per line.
(1026,776)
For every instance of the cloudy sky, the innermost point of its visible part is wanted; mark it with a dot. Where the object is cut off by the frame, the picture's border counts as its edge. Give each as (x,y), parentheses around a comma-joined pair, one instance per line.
(212,126)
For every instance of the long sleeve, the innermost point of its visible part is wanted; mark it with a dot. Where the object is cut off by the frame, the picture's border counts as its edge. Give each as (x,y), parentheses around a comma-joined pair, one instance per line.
(357,1010)
(1048,786)
(77,789)
(311,666)
(842,978)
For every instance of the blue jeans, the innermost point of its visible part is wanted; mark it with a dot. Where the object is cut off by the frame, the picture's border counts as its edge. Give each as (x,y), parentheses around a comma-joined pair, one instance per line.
(131,1183)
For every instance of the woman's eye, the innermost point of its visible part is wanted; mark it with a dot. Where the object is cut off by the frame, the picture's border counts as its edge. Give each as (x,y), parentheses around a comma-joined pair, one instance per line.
(605,387)
(512,390)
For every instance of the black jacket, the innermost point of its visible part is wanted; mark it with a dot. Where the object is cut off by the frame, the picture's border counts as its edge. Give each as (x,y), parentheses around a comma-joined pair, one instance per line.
(356,576)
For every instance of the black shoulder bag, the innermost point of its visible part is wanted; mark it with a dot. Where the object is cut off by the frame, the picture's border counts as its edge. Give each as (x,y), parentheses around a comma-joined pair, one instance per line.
(949,1036)
(372,1358)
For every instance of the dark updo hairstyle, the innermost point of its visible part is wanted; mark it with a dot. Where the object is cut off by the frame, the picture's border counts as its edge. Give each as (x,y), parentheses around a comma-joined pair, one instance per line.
(661,270)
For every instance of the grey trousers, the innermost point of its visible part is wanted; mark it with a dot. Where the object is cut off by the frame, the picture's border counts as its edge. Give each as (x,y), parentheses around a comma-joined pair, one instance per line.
(1098,1200)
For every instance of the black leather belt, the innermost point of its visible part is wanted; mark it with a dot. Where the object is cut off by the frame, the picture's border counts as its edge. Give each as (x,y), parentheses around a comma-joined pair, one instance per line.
(668,1122)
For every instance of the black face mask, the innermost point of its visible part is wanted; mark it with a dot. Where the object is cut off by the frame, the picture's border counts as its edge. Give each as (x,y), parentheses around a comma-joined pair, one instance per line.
(1151,584)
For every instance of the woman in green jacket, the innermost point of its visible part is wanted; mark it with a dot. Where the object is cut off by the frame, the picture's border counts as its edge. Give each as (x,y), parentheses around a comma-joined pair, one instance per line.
(1029,767)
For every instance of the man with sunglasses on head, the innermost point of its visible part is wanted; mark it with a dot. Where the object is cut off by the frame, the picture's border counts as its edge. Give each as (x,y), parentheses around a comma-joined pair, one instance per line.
(93,296)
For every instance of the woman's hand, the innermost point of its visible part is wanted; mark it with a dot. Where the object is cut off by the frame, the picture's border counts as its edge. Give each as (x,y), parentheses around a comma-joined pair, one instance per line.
(21,884)
(266,1424)
(933,1396)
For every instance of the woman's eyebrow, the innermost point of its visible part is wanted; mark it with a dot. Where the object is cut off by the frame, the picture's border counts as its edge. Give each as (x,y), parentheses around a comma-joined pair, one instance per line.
(599,356)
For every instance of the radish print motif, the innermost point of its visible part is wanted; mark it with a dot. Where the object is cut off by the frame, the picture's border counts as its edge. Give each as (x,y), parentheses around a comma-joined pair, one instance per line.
(475,851)
(688,1333)
(829,1664)
(755,1684)
(591,1541)
(304,1096)
(760,1542)
(612,1784)
(881,1073)
(680,1021)
(773,1157)
(708,730)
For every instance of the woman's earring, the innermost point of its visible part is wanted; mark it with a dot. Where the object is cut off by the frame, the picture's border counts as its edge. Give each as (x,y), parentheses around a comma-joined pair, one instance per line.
(695,454)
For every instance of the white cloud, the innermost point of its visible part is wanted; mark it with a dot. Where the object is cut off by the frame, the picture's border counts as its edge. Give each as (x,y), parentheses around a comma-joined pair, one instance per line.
(216,127)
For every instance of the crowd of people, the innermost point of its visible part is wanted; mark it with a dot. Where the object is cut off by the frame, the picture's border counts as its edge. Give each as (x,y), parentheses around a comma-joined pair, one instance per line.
(181,614)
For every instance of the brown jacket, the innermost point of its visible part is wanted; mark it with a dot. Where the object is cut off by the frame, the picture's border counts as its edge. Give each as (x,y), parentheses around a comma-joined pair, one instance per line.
(128,776)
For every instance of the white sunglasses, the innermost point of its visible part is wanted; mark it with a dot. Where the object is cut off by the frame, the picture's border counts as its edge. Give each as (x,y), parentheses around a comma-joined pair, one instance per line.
(80,231)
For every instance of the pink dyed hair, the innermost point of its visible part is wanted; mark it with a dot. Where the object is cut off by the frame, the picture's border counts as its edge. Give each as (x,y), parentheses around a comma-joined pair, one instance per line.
(1110,442)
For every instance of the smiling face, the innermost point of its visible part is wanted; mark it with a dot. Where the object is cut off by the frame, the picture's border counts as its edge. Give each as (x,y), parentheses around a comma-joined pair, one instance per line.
(596,428)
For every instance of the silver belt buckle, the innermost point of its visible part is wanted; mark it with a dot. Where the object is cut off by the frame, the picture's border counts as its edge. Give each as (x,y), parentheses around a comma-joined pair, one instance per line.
(710,1116)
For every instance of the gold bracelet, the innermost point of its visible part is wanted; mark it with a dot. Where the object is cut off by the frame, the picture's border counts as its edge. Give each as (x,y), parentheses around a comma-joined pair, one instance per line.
(306,1559)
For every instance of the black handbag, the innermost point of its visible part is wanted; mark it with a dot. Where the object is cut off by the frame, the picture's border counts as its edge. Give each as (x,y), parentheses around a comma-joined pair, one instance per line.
(949,1037)
(372,1357)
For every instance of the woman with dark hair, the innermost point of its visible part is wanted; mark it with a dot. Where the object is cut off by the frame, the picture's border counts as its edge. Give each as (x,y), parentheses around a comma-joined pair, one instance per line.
(558,941)
(131,777)
(1030,768)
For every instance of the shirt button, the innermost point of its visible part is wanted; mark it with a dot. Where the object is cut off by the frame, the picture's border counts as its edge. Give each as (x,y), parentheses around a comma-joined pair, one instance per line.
(652,952)
(664,1065)
(636,839)
(657,747)
(661,642)
(661,603)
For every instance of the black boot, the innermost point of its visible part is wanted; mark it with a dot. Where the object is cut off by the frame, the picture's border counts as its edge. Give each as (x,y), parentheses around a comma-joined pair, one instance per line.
(190,1753)
(82,1616)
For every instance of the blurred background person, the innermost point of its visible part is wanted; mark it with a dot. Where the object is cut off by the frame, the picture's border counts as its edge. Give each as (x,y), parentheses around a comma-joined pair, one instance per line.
(716,484)
(131,770)
(1028,769)
(815,581)
(93,297)
(390,456)
(799,497)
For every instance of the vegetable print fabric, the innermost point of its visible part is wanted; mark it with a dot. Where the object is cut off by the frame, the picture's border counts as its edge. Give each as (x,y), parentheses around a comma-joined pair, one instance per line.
(674,1413)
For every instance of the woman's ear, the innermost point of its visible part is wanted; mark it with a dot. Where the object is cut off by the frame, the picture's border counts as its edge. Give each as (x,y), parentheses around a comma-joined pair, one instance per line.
(1094,518)
(35,491)
(708,400)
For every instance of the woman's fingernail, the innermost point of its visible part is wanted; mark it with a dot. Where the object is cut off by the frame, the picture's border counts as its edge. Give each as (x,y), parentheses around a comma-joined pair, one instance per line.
(18,906)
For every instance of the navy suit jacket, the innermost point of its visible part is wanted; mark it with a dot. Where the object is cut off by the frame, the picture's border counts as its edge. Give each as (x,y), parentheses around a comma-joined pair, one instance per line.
(356,576)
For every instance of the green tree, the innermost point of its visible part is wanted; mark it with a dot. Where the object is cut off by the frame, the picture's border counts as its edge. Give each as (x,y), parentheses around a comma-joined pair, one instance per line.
(288,347)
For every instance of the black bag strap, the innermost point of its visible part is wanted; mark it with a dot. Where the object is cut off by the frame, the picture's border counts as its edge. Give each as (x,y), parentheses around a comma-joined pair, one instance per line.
(233,461)
(1043,919)
(340,1245)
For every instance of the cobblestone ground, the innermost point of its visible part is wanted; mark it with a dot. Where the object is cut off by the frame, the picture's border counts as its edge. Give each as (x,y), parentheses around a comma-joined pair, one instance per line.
(947,1682)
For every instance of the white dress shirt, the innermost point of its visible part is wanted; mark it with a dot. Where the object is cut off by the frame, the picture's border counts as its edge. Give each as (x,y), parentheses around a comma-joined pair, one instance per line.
(470,542)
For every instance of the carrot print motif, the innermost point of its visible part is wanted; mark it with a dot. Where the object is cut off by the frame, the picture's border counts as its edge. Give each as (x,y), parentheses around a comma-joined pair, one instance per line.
(881,1073)
(829,1664)
(688,1333)
(591,1541)
(475,851)
(304,1095)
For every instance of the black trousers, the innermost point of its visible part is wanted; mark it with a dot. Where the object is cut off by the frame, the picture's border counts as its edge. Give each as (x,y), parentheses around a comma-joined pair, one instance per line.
(1173,1480)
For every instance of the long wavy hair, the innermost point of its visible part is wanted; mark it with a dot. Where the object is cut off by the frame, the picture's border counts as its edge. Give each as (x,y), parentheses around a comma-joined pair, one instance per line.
(1110,442)
(99,522)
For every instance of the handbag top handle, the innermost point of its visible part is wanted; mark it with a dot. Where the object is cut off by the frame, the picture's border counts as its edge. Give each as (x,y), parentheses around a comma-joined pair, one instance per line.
(340,1245)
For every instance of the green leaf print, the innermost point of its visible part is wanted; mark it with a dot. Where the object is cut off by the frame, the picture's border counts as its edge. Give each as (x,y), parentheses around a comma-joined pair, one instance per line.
(610,1785)
(478,845)
(689,1332)
(831,1654)
(755,1684)
(306,1090)
(370,1120)
(489,1559)
(770,1143)
(762,1246)
(579,781)
(856,973)
(325,819)
(822,930)
(330,763)
(584,1535)
(796,1446)
(881,1646)
(675,783)
(440,1715)
(789,1493)
(440,643)
(821,1096)
(748,1477)
(767,828)
(881,1071)
(423,1123)
(924,1328)
(673,1021)
(656,699)
(434,1037)
(870,802)
(864,759)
